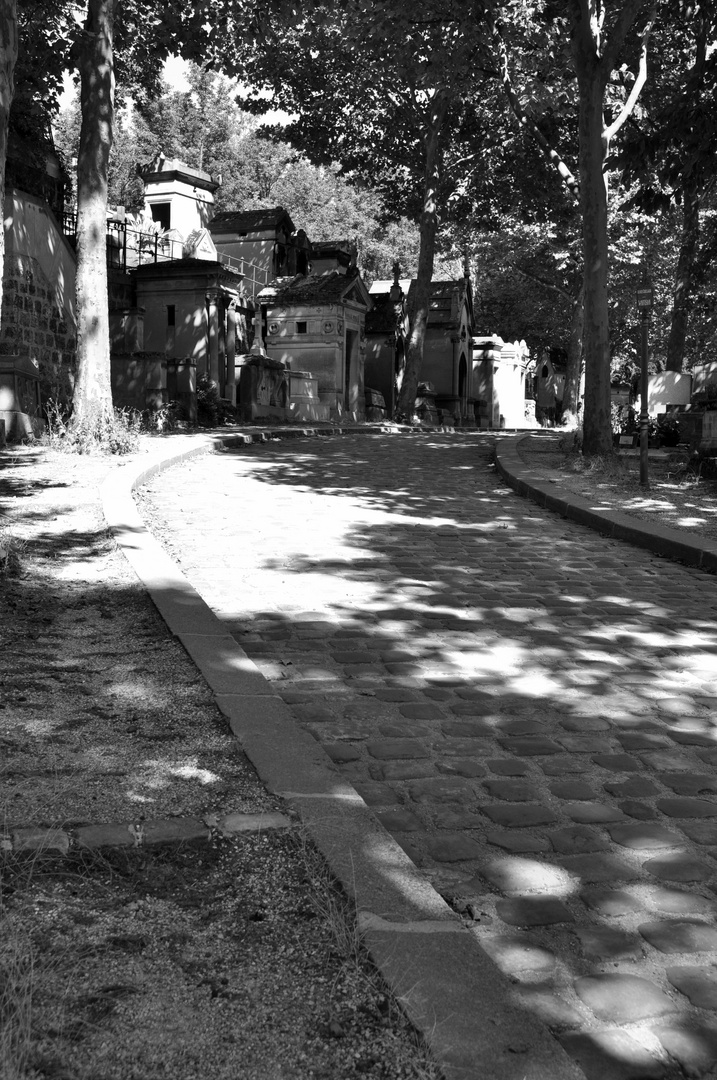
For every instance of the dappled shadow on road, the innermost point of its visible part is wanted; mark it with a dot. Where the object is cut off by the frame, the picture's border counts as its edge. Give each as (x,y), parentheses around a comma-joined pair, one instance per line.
(519,646)
(472,580)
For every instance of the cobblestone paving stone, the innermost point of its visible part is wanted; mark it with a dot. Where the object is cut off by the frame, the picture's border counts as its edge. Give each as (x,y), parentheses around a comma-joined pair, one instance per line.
(529,708)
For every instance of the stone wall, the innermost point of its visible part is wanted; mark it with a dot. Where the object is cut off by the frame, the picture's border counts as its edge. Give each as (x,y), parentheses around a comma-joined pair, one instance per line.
(120,290)
(38,311)
(35,327)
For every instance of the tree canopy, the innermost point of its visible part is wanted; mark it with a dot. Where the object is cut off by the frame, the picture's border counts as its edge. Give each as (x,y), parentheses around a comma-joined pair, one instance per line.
(436,127)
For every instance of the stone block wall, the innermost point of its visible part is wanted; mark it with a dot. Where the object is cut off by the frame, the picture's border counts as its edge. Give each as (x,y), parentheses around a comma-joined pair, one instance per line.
(34,326)
(121,291)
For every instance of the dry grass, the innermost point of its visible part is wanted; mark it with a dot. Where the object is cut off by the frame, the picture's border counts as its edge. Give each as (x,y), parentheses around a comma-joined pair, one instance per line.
(241,957)
(18,977)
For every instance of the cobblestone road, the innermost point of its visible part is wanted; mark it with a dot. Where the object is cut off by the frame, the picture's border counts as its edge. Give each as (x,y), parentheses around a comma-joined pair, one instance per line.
(529,708)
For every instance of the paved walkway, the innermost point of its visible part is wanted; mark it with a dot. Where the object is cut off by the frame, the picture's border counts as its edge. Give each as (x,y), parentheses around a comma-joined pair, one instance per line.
(527,706)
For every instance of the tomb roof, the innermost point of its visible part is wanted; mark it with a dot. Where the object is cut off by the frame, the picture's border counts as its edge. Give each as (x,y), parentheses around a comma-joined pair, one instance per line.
(250,220)
(164,168)
(184,268)
(445,297)
(327,288)
(326,247)
(384,286)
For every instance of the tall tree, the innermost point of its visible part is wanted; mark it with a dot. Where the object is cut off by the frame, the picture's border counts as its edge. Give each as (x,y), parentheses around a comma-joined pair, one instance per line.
(543,118)
(92,399)
(8,59)
(135,36)
(380,86)
(598,33)
(670,146)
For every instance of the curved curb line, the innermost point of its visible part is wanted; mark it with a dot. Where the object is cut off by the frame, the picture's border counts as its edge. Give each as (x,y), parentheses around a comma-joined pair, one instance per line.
(660,539)
(176,830)
(449,988)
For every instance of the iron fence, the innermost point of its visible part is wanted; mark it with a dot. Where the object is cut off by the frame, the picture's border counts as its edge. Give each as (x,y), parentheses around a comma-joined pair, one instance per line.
(128,247)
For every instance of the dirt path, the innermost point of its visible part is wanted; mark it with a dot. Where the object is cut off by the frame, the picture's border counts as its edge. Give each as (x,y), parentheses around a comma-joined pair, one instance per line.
(225,956)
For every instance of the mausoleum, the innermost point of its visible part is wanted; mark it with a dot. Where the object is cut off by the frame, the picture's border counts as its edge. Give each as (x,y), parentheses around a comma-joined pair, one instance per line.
(447,355)
(179,198)
(316,324)
(261,244)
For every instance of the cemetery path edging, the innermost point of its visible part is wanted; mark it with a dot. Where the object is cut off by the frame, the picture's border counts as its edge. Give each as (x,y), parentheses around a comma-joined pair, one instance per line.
(535,484)
(448,986)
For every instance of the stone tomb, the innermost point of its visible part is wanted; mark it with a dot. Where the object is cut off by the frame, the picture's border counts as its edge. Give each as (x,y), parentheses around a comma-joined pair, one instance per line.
(261,244)
(270,392)
(499,372)
(447,358)
(20,410)
(195,311)
(316,325)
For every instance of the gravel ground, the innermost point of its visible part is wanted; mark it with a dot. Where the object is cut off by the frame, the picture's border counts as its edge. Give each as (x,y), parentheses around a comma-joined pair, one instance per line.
(677,497)
(234,957)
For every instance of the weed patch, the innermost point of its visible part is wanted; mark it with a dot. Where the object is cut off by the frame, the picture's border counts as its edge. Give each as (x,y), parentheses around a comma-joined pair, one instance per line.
(115,433)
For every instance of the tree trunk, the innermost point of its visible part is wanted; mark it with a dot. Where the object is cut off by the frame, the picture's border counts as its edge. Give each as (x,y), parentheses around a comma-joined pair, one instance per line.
(92,399)
(418,315)
(597,430)
(592,151)
(682,293)
(574,370)
(594,58)
(8,56)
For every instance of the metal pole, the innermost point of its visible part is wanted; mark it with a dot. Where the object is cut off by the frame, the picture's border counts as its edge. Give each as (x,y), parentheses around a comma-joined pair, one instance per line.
(644,418)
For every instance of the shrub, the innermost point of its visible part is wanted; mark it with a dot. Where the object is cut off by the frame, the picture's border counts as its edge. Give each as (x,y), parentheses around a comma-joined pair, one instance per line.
(116,433)
(623,419)
(163,419)
(212,410)
(668,430)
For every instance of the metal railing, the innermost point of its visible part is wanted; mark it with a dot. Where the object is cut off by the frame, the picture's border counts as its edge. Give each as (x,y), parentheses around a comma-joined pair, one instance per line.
(255,277)
(128,248)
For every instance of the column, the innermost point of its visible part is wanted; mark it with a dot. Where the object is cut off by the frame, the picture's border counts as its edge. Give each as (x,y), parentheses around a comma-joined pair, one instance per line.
(231,388)
(213,336)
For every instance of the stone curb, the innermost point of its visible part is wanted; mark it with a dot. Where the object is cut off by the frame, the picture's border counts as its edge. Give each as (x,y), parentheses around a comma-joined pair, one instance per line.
(660,539)
(139,833)
(452,992)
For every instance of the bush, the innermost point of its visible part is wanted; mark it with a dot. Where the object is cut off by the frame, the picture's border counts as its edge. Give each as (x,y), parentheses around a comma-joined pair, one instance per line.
(668,429)
(163,419)
(623,419)
(117,433)
(212,411)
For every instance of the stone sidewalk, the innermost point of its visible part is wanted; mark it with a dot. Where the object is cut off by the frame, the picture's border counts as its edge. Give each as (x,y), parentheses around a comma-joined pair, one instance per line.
(527,707)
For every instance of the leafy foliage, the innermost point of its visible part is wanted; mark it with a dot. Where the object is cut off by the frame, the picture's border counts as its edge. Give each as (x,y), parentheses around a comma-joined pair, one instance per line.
(212,411)
(207,127)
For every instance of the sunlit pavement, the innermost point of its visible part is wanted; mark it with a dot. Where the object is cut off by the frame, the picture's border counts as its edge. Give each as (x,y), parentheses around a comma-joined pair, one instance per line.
(527,706)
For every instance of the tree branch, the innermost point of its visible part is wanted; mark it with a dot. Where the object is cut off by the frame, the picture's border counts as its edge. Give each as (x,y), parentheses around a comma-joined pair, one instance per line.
(613,46)
(537,280)
(526,122)
(640,80)
(461,161)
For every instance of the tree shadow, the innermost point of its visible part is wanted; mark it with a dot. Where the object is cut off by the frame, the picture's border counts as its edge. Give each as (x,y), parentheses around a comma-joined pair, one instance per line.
(525,650)
(103,716)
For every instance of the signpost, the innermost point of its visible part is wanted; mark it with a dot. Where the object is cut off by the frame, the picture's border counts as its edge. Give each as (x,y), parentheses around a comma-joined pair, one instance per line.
(645,301)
